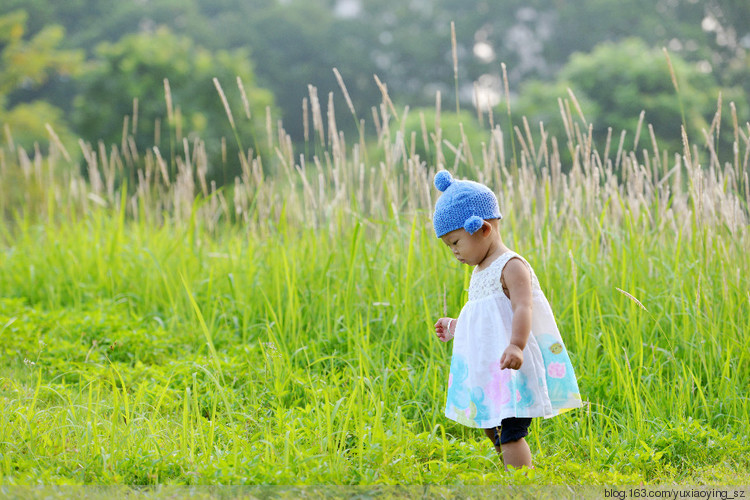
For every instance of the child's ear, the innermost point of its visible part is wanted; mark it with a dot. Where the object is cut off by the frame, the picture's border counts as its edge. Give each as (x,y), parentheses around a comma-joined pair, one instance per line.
(486,229)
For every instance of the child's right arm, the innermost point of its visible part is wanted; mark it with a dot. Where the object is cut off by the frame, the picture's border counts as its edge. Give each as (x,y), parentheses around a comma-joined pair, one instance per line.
(517,278)
(445,328)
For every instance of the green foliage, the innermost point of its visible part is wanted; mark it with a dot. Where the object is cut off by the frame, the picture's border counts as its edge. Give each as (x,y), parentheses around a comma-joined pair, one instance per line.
(298,43)
(703,445)
(90,22)
(616,82)
(148,59)
(28,125)
(408,45)
(30,64)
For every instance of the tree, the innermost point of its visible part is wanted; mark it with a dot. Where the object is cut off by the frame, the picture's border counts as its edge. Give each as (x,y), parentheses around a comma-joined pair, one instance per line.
(618,80)
(27,65)
(407,43)
(136,68)
(90,22)
(298,43)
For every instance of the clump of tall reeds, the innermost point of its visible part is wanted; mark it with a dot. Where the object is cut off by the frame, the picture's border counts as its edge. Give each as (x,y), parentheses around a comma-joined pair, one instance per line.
(678,190)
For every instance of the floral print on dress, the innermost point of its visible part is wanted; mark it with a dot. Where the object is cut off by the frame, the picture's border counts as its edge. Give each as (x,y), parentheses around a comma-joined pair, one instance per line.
(498,391)
(561,382)
(467,404)
(556,370)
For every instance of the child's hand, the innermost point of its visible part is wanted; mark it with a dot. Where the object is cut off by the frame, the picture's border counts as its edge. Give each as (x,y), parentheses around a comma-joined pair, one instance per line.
(445,328)
(512,358)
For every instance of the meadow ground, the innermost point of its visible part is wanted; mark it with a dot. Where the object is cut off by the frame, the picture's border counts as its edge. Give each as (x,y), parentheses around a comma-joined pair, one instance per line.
(279,331)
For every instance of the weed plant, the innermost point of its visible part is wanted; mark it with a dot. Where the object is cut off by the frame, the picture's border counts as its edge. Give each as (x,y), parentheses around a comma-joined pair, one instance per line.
(157,329)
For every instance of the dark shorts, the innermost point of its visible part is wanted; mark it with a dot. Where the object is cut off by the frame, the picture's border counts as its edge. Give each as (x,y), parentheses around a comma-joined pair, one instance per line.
(511,429)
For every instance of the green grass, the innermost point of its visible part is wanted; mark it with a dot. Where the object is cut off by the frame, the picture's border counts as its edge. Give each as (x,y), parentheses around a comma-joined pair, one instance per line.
(279,331)
(308,358)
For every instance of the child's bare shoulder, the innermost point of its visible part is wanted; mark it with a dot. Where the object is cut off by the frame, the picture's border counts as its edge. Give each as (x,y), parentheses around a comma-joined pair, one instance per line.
(516,271)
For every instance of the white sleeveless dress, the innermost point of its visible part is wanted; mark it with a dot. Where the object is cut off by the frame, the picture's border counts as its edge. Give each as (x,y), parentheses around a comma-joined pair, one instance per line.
(480,394)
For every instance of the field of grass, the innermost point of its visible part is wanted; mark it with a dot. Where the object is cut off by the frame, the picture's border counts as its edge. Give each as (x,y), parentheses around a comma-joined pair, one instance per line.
(279,330)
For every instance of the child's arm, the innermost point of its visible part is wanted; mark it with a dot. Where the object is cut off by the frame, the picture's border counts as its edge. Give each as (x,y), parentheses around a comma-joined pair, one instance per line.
(517,280)
(445,328)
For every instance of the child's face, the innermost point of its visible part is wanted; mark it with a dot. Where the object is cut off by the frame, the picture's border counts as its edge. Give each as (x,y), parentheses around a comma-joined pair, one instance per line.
(468,248)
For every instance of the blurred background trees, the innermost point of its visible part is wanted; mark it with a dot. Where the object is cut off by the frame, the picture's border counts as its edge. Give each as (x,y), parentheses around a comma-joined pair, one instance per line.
(29,68)
(150,58)
(609,52)
(616,81)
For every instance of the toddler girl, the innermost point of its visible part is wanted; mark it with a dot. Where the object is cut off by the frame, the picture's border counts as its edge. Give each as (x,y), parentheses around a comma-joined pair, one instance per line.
(509,362)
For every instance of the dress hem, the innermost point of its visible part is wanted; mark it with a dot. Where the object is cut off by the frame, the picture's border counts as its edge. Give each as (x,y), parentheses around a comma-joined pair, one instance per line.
(485,424)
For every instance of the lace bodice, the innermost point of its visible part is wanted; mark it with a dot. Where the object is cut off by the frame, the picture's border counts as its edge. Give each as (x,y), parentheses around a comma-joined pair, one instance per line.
(486,282)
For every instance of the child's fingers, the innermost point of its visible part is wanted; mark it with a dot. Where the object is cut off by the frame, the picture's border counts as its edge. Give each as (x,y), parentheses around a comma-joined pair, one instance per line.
(512,362)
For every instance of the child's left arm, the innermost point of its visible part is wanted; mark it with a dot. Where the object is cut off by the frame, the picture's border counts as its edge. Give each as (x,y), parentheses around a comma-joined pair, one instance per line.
(517,279)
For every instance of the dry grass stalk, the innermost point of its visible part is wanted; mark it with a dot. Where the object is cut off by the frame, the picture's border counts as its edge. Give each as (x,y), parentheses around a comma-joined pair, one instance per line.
(348,99)
(162,166)
(9,139)
(477,105)
(243,96)
(269,128)
(305,121)
(671,70)
(134,129)
(577,105)
(57,142)
(168,97)
(454,53)
(506,86)
(317,115)
(386,98)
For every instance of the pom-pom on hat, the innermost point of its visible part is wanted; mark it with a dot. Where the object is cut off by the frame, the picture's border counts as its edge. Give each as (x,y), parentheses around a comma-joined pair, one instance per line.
(463,204)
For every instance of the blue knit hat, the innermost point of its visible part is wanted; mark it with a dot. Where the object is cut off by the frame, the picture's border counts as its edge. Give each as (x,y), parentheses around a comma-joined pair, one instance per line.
(463,204)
